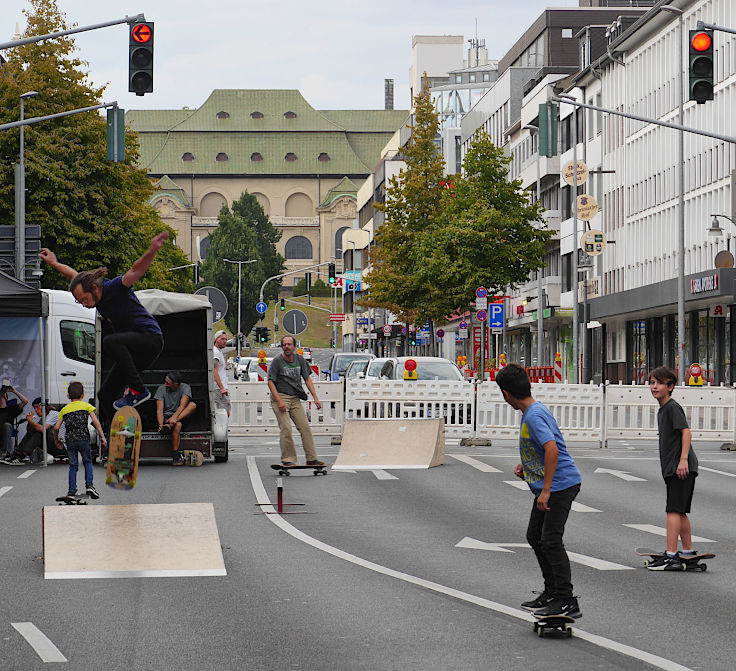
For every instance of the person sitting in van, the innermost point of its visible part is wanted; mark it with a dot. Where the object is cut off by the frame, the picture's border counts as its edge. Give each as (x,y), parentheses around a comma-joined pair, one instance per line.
(9,411)
(31,445)
(174,406)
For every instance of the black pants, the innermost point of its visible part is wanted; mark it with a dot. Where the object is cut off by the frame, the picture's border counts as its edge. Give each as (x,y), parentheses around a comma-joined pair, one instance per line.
(34,440)
(544,534)
(132,352)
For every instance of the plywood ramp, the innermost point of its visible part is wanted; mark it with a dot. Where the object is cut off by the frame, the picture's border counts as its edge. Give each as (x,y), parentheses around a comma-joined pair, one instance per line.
(131,541)
(369,444)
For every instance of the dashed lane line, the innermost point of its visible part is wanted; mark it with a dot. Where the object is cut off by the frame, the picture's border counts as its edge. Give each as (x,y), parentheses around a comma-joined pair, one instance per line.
(4,490)
(661,531)
(479,465)
(600,641)
(41,643)
(26,474)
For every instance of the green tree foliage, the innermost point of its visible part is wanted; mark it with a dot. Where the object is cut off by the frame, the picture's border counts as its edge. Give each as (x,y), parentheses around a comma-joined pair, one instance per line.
(92,212)
(490,234)
(319,289)
(243,234)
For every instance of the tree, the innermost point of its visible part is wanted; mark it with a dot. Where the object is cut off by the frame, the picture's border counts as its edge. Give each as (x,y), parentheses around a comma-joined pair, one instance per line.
(92,212)
(490,234)
(240,239)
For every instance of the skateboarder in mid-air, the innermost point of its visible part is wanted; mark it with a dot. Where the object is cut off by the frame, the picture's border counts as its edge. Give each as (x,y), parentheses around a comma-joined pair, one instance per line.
(136,340)
(551,474)
(679,469)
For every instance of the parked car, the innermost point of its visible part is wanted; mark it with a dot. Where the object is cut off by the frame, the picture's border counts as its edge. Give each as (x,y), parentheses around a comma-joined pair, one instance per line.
(428,368)
(373,372)
(247,368)
(357,369)
(306,353)
(340,362)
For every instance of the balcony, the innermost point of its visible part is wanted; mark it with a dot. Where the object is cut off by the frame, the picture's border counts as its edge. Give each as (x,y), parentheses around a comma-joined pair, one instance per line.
(288,222)
(205,222)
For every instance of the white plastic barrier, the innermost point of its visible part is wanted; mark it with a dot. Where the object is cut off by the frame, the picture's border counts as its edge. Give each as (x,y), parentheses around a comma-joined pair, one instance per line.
(252,415)
(631,412)
(421,399)
(578,409)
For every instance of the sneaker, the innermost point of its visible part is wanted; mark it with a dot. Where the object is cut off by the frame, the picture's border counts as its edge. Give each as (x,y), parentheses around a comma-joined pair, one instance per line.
(540,602)
(665,563)
(132,398)
(177,459)
(315,462)
(560,606)
(14,461)
(288,463)
(92,492)
(72,492)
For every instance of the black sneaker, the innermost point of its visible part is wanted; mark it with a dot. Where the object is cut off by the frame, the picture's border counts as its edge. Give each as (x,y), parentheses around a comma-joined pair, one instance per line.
(665,563)
(92,492)
(560,606)
(540,602)
(14,461)
(72,492)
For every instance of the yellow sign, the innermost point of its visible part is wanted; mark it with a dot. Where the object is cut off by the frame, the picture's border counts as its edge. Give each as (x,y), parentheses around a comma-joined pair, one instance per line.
(568,173)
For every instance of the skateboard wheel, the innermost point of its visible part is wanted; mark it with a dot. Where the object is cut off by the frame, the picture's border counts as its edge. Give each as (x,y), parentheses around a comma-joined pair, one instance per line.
(569,633)
(540,632)
(703,566)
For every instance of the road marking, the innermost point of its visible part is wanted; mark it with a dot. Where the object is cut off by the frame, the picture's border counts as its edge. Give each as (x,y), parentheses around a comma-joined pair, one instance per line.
(620,474)
(479,465)
(661,531)
(26,474)
(713,470)
(4,490)
(593,562)
(382,475)
(519,484)
(582,508)
(262,497)
(41,643)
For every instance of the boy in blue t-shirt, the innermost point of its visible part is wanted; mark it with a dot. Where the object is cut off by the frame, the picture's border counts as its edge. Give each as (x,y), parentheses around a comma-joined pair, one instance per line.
(554,479)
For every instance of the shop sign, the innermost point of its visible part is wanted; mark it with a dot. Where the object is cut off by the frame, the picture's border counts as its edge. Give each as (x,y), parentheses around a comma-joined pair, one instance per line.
(700,285)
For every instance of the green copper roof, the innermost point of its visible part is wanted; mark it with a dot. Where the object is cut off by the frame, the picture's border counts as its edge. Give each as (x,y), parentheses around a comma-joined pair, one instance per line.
(345,187)
(166,185)
(273,123)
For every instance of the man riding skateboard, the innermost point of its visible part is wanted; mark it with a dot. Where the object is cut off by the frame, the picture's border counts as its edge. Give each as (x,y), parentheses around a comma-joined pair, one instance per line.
(136,340)
(285,383)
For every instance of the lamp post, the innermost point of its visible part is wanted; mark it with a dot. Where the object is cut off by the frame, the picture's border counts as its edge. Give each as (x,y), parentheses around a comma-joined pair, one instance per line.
(240,267)
(20,183)
(534,132)
(36,273)
(355,322)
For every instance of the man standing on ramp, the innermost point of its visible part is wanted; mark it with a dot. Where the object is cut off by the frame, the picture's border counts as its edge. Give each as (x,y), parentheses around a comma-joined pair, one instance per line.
(285,383)
(136,340)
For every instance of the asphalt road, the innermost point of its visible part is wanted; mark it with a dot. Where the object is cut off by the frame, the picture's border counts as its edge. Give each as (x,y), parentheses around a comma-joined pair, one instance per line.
(382,570)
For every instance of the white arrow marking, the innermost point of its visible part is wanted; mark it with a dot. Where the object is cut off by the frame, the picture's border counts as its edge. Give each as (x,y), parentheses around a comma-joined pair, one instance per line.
(4,490)
(519,484)
(485,468)
(620,474)
(593,562)
(383,475)
(661,531)
(713,470)
(41,643)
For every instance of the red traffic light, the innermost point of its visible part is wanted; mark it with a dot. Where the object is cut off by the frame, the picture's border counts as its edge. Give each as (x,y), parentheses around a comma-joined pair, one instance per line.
(141,33)
(701,41)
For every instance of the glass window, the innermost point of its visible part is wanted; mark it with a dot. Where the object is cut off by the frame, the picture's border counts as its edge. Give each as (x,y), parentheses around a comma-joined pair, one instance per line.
(298,247)
(567,32)
(78,340)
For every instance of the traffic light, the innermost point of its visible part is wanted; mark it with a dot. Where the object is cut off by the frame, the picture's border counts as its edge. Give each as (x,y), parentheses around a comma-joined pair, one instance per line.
(700,72)
(265,334)
(331,276)
(308,281)
(282,305)
(140,58)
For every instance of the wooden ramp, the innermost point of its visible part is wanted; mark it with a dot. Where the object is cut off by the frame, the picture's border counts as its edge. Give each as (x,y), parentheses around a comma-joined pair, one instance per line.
(369,444)
(131,541)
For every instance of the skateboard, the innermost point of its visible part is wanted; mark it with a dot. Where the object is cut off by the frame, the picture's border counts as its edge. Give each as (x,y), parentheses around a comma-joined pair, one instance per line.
(125,445)
(557,623)
(76,500)
(284,470)
(192,457)
(693,563)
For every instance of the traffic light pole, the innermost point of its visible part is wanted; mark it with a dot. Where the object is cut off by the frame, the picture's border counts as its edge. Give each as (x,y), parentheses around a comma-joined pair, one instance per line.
(290,272)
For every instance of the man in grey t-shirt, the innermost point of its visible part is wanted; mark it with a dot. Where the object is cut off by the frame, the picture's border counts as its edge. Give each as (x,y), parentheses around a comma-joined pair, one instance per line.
(285,376)
(173,406)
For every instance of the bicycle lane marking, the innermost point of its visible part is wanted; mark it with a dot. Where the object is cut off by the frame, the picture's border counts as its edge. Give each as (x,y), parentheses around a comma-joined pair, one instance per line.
(265,504)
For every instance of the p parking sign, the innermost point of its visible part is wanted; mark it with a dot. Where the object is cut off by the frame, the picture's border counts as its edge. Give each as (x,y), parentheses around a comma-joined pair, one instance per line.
(496,316)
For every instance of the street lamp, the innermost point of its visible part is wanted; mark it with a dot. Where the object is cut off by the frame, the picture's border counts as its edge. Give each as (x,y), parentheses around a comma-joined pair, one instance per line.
(240,267)
(36,273)
(724,258)
(534,132)
(355,322)
(20,182)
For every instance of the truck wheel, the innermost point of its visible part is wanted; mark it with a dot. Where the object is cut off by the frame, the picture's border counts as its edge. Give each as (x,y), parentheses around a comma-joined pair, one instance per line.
(220,447)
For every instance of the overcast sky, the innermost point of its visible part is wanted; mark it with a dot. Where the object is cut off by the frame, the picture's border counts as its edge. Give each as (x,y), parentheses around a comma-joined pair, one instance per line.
(337,53)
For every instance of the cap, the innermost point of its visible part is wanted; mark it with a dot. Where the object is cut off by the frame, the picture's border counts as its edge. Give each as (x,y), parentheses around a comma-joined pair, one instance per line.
(36,401)
(220,333)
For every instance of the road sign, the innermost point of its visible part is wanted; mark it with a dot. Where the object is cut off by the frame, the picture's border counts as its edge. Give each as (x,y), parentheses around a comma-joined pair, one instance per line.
(387,328)
(481,292)
(481,315)
(353,286)
(462,334)
(362,321)
(463,325)
(295,322)
(337,316)
(217,299)
(440,333)
(496,319)
(261,308)
(481,303)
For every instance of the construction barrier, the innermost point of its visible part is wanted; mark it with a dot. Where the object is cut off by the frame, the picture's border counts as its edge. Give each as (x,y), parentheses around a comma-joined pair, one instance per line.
(558,368)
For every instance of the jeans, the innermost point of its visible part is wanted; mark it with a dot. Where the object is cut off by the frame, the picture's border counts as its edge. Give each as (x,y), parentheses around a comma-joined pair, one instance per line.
(544,534)
(82,447)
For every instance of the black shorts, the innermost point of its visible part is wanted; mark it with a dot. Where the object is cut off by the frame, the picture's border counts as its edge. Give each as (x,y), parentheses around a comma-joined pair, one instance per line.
(680,493)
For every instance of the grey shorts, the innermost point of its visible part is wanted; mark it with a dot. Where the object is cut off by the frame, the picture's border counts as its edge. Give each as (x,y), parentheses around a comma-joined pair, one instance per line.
(222,401)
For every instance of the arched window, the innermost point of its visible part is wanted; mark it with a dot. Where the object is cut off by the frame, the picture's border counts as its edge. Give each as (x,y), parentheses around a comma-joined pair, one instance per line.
(256,156)
(222,156)
(338,241)
(211,204)
(223,115)
(323,157)
(290,157)
(299,205)
(298,247)
(289,115)
(204,248)
(187,156)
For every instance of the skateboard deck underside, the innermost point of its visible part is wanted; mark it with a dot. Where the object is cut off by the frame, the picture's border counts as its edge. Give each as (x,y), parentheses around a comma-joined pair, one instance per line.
(125,445)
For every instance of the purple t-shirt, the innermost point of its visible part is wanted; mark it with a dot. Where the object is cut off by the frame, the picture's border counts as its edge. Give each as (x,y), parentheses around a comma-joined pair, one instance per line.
(120,306)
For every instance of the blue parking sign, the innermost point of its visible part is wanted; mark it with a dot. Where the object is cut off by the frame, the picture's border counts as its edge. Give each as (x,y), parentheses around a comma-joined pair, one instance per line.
(496,315)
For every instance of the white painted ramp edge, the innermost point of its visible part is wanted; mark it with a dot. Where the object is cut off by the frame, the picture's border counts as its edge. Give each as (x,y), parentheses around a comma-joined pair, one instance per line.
(377,467)
(184,573)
